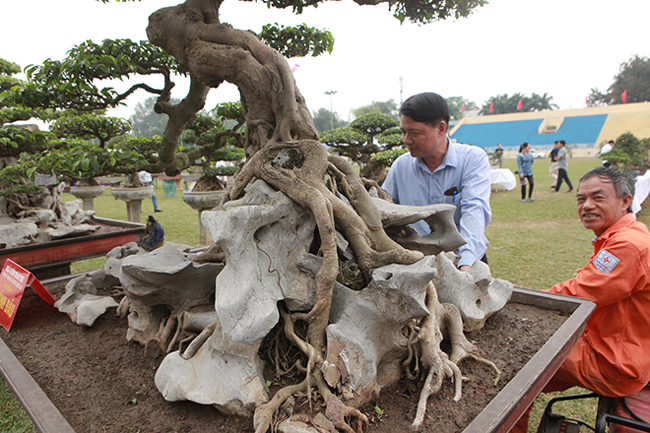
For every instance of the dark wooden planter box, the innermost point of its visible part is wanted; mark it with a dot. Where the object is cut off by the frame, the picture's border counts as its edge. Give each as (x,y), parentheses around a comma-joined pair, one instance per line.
(497,417)
(52,259)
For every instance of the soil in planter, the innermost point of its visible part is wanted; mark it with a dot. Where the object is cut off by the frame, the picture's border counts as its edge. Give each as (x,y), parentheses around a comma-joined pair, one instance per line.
(102,383)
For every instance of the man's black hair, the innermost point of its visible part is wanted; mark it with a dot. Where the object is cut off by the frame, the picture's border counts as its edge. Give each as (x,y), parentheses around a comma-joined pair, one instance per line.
(623,182)
(429,108)
(562,142)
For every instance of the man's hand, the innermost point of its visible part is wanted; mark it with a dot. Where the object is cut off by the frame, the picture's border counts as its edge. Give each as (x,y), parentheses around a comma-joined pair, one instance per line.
(464,268)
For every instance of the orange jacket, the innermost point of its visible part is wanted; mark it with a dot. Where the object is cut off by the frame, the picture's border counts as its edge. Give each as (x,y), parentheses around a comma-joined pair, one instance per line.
(617,279)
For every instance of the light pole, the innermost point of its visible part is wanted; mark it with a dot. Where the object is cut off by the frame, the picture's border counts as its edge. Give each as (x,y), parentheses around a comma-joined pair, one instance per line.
(331,92)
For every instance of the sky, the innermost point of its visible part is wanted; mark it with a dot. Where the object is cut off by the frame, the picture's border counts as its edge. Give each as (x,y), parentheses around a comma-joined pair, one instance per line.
(560,47)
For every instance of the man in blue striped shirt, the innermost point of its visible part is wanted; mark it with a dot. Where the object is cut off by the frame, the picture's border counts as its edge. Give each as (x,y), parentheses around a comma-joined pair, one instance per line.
(438,171)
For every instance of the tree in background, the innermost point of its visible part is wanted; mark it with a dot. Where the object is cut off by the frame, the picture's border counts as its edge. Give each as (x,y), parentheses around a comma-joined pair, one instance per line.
(629,153)
(323,120)
(211,131)
(458,105)
(88,126)
(146,122)
(502,104)
(357,141)
(10,112)
(633,79)
(388,107)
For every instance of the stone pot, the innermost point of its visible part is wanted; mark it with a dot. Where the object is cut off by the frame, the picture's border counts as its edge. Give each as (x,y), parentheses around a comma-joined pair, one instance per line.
(133,198)
(203,201)
(87,194)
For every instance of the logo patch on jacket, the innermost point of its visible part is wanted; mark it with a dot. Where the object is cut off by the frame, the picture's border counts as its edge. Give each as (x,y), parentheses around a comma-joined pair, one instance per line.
(605,261)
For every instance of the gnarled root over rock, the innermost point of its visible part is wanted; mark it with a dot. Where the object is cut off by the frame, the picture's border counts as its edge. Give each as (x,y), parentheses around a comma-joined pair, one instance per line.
(329,188)
(444,319)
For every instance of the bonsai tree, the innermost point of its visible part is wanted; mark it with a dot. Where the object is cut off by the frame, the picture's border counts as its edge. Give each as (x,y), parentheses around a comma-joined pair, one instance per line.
(282,148)
(357,141)
(209,132)
(629,153)
(88,126)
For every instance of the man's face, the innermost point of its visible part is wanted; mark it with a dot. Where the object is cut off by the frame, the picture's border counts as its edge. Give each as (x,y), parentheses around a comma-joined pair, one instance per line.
(598,206)
(423,140)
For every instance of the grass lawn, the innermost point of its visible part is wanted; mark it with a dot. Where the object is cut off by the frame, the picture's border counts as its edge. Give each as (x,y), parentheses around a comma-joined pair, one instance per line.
(534,245)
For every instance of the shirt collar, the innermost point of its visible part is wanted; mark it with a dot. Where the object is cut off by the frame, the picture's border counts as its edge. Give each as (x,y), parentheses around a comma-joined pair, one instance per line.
(624,221)
(450,159)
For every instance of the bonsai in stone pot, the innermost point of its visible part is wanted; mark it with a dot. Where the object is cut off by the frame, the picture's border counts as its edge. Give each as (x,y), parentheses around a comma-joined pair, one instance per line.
(221,132)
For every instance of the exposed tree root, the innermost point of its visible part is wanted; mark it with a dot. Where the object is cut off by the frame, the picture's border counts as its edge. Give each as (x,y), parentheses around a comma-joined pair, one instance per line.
(444,319)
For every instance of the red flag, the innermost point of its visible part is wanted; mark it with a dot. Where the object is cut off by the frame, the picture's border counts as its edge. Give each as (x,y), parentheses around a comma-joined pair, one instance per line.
(624,96)
(491,106)
(520,104)
(462,108)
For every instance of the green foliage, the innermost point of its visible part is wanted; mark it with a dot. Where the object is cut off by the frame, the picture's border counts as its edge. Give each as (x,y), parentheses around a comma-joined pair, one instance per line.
(390,138)
(18,178)
(374,123)
(88,126)
(456,103)
(508,104)
(388,157)
(8,68)
(224,170)
(633,76)
(357,140)
(146,122)
(144,149)
(71,83)
(10,112)
(325,120)
(341,136)
(629,152)
(388,107)
(298,41)
(418,11)
(230,111)
(422,11)
(81,160)
(14,141)
(228,153)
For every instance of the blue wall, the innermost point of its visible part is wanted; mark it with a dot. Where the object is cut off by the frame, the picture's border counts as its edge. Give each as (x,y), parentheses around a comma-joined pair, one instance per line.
(576,129)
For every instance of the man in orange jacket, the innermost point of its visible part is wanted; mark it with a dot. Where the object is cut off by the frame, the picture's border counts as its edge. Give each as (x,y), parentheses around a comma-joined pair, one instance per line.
(611,357)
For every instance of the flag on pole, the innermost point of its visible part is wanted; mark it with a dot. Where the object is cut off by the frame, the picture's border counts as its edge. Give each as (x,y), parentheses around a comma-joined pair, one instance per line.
(462,108)
(491,106)
(624,96)
(520,104)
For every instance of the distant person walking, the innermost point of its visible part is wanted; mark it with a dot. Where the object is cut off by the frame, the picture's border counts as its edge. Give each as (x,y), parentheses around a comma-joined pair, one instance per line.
(562,167)
(525,163)
(498,155)
(552,171)
(605,149)
(145,177)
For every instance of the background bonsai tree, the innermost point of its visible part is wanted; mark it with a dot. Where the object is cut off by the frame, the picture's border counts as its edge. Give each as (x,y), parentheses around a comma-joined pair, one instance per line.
(222,133)
(629,153)
(358,141)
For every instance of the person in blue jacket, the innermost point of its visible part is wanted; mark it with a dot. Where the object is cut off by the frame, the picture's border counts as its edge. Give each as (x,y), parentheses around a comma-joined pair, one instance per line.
(525,165)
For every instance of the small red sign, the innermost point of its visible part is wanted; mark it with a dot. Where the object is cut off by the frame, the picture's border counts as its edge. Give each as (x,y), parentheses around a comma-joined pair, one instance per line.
(13,280)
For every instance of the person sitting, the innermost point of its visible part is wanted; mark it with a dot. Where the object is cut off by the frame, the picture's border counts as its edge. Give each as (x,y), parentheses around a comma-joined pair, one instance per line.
(155,235)
(611,357)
